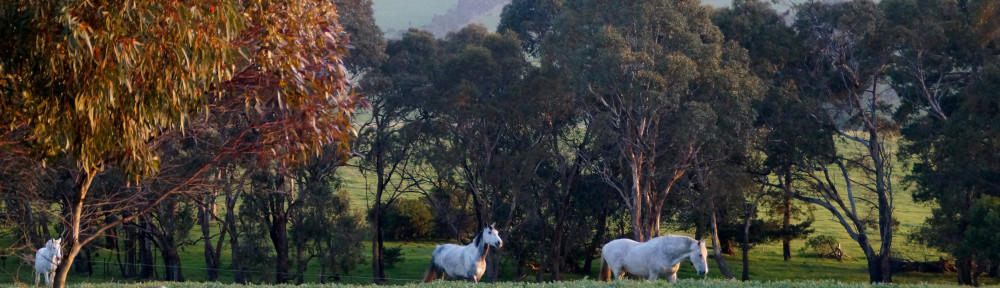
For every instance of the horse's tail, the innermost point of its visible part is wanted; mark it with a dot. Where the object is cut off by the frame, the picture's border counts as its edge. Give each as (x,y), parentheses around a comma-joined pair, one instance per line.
(605,274)
(431,272)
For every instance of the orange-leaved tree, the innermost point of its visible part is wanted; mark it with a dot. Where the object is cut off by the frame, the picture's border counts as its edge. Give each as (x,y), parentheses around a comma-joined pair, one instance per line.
(97,81)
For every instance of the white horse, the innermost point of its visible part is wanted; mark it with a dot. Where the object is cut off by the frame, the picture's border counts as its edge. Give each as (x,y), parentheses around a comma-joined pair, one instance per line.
(652,258)
(47,260)
(466,262)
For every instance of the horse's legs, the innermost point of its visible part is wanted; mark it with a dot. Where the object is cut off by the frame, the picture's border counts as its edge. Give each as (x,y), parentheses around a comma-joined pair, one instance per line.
(653,276)
(617,272)
(672,273)
(36,277)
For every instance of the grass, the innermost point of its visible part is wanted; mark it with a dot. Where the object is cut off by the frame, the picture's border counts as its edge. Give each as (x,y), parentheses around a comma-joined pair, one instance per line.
(681,283)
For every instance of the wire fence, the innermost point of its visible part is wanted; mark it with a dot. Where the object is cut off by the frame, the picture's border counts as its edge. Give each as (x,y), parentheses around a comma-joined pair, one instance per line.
(353,278)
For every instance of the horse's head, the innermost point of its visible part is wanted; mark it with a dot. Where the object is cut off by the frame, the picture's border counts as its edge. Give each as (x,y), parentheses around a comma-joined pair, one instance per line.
(55,249)
(491,236)
(698,255)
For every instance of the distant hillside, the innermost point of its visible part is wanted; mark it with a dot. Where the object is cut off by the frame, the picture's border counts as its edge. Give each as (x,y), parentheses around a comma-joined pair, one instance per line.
(439,17)
(396,16)
(461,15)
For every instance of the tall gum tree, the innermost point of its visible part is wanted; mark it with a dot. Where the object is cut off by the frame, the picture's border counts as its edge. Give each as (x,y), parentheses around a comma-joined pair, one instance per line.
(841,91)
(648,72)
(97,81)
(774,57)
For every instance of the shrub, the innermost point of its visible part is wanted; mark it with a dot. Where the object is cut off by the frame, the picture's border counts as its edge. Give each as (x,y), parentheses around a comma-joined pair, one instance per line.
(392,255)
(824,246)
(407,219)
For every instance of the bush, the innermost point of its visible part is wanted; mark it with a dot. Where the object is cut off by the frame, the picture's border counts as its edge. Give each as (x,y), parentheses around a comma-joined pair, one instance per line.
(824,246)
(408,220)
(392,255)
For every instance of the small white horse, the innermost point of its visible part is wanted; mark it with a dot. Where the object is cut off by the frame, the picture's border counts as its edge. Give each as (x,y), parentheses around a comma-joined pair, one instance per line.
(466,262)
(652,258)
(47,260)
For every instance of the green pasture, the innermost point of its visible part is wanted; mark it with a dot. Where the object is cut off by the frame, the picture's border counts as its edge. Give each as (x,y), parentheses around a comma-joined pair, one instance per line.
(682,283)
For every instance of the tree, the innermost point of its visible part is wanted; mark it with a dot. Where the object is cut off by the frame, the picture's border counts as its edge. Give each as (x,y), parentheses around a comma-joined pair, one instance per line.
(386,138)
(322,224)
(531,20)
(843,94)
(952,168)
(936,70)
(774,52)
(476,136)
(110,69)
(652,74)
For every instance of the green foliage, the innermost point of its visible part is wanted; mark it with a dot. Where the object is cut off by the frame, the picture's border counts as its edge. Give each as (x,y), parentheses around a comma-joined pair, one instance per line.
(531,20)
(821,246)
(392,256)
(408,219)
(368,46)
(984,228)
(653,75)
(255,250)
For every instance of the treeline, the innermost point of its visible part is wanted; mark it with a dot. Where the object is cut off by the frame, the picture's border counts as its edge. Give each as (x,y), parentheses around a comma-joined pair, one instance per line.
(581,122)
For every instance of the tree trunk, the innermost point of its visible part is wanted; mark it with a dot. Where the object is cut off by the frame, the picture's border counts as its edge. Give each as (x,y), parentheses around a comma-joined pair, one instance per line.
(875,274)
(558,240)
(786,222)
(721,261)
(31,236)
(232,195)
(964,266)
(76,212)
(204,220)
(167,218)
(279,238)
(171,260)
(300,265)
(555,253)
(146,260)
(378,272)
(637,229)
(131,248)
(746,246)
(596,242)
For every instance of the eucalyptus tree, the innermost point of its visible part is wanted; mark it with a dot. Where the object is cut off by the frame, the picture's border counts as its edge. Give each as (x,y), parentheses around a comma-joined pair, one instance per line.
(479,138)
(474,116)
(774,52)
(841,92)
(386,138)
(657,76)
(943,68)
(531,20)
(322,223)
(97,85)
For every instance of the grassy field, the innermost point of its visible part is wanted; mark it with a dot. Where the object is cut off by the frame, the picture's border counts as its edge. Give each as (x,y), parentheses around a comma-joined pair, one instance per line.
(683,283)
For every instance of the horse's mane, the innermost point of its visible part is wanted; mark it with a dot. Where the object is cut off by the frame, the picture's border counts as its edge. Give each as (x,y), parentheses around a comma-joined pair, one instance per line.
(479,239)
